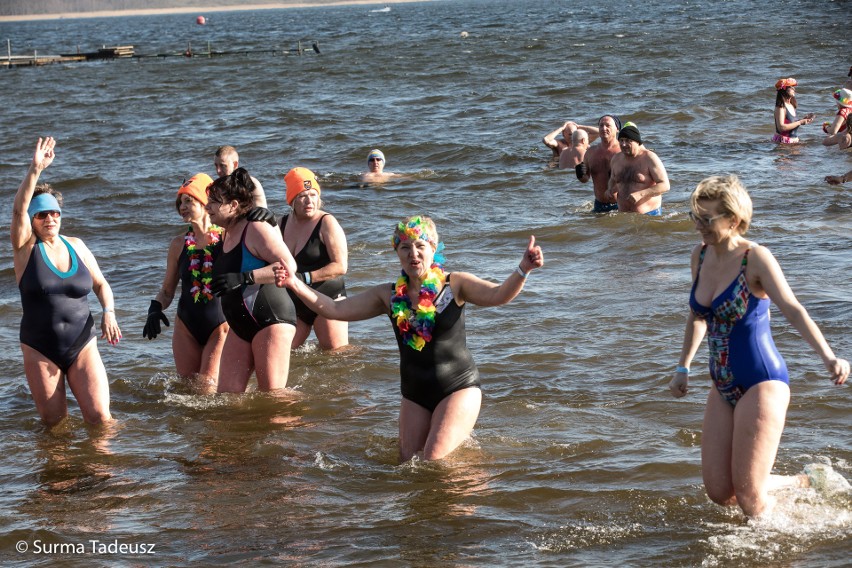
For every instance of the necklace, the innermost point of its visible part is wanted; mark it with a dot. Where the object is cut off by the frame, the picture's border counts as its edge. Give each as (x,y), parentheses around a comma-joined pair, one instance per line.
(416,329)
(202,269)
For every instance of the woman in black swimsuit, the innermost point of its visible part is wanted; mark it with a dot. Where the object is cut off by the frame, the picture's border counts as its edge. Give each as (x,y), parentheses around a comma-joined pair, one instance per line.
(319,247)
(200,327)
(55,275)
(261,316)
(440,382)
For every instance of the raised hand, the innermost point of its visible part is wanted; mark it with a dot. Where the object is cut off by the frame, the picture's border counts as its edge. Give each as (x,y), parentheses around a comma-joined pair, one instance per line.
(44,154)
(533,257)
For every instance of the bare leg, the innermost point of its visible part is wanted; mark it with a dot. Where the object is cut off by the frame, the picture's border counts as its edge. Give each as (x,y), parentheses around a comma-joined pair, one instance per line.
(716,443)
(452,422)
(414,422)
(47,386)
(271,349)
(186,350)
(237,364)
(211,357)
(303,330)
(331,334)
(87,378)
(758,423)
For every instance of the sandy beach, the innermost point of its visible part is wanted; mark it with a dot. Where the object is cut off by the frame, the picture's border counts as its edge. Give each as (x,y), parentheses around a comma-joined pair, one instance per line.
(201,11)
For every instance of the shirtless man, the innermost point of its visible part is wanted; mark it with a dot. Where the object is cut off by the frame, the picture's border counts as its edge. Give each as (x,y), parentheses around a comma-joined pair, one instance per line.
(559,145)
(638,178)
(574,154)
(376,168)
(596,163)
(226,161)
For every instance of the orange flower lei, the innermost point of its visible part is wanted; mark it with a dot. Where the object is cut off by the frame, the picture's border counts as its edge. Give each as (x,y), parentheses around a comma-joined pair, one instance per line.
(202,271)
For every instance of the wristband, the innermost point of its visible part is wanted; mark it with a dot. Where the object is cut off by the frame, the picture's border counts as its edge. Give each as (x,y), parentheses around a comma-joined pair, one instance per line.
(248,277)
(522,273)
(105,310)
(680,369)
(308,279)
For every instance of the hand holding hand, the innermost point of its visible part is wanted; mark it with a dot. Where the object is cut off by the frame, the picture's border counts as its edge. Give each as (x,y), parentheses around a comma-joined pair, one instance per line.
(155,315)
(43,155)
(283,277)
(533,257)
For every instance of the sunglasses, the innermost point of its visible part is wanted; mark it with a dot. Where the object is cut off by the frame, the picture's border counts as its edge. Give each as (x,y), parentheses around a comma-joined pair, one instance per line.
(42,215)
(705,221)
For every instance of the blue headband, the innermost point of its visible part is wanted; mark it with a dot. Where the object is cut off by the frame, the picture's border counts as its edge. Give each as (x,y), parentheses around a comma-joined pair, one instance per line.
(43,202)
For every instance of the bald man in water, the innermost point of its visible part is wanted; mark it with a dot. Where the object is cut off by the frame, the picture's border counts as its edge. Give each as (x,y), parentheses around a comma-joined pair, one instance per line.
(226,160)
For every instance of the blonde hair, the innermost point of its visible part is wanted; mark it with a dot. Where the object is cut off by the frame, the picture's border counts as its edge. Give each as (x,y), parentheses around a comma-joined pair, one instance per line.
(731,195)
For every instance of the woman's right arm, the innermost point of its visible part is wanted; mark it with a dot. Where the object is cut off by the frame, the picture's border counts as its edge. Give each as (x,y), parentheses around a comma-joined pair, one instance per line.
(21,229)
(694,334)
(371,303)
(170,281)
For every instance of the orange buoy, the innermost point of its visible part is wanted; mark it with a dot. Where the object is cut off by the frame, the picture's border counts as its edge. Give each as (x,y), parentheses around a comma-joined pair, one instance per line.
(200,20)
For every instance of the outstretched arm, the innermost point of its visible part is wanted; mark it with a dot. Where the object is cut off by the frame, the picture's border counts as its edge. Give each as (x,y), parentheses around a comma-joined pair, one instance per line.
(371,303)
(22,230)
(773,282)
(469,288)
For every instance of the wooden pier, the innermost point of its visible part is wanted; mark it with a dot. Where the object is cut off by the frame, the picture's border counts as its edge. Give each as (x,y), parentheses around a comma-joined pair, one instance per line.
(128,52)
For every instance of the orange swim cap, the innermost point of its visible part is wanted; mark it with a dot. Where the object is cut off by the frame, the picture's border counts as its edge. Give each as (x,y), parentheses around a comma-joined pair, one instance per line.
(299,180)
(196,187)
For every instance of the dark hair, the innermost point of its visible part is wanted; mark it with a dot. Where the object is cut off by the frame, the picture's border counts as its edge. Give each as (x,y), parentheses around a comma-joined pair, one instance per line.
(46,188)
(785,96)
(237,187)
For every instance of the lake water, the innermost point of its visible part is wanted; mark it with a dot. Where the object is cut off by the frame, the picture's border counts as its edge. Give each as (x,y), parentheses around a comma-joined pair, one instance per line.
(580,456)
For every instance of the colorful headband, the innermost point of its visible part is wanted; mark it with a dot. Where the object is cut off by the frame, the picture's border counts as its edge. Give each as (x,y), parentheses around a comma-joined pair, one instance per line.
(43,202)
(784,83)
(416,229)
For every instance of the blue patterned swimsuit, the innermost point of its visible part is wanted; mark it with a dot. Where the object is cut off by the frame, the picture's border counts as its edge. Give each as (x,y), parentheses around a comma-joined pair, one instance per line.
(742,352)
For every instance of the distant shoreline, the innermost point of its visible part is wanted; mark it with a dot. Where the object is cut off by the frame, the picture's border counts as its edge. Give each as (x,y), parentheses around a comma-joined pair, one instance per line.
(201,11)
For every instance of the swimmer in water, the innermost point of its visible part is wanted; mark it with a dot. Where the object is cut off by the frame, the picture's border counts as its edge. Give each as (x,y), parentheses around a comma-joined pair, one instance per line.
(441,397)
(55,275)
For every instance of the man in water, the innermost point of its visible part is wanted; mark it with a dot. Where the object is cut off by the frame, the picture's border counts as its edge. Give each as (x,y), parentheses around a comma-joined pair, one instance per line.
(596,162)
(226,161)
(638,179)
(559,145)
(376,168)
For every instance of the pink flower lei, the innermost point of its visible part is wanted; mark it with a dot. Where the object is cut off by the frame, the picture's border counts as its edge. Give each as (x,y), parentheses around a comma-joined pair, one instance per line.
(202,269)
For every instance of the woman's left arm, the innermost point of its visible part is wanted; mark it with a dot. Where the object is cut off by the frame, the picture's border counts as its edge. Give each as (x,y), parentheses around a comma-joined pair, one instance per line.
(265,242)
(109,326)
(470,288)
(772,280)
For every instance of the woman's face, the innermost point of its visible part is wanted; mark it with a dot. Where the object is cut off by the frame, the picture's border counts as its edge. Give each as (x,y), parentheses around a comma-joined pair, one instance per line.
(191,209)
(712,222)
(46,224)
(306,204)
(415,257)
(221,213)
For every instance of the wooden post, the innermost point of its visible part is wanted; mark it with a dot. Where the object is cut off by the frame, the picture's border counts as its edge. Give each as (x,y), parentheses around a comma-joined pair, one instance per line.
(9,51)
(209,54)
(300,47)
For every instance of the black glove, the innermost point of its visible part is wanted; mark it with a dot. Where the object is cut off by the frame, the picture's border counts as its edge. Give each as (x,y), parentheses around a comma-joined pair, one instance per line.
(155,314)
(261,214)
(582,170)
(229,281)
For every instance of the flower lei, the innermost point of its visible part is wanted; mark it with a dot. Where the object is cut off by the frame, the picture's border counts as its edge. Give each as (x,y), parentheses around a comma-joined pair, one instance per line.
(202,272)
(416,329)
